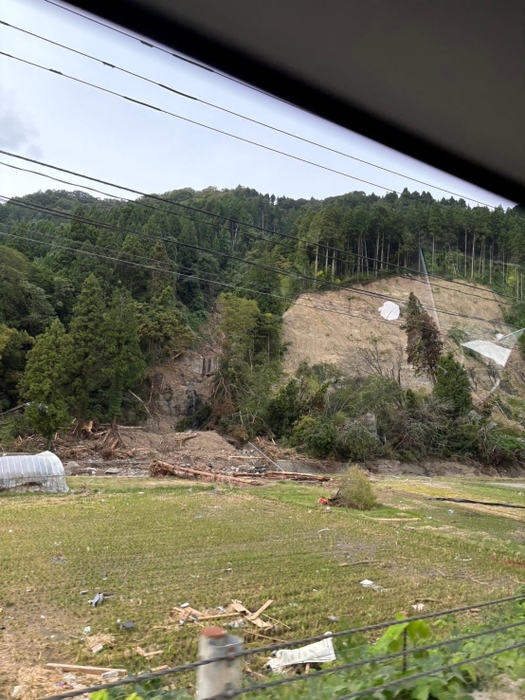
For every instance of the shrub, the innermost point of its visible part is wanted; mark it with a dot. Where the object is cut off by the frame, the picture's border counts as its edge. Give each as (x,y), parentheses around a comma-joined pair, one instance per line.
(14,426)
(355,491)
(356,442)
(284,409)
(314,435)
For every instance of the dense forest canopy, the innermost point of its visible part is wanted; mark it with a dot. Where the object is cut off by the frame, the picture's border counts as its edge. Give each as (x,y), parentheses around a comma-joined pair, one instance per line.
(122,285)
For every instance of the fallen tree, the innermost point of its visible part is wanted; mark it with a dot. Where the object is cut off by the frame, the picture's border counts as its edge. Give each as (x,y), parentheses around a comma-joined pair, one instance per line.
(159,469)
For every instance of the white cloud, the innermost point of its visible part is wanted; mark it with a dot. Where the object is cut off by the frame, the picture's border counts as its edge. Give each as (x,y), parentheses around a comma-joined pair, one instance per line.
(16,132)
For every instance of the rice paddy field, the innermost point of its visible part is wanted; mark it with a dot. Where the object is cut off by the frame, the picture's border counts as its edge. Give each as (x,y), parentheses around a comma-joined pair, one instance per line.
(151,546)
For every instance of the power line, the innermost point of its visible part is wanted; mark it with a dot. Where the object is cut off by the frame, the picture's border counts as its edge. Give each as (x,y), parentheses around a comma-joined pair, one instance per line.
(298,642)
(245,261)
(179,274)
(226,219)
(279,271)
(192,276)
(118,260)
(195,122)
(142,204)
(179,57)
(185,95)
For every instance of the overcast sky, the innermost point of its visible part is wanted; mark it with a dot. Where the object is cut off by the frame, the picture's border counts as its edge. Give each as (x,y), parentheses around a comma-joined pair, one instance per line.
(45,116)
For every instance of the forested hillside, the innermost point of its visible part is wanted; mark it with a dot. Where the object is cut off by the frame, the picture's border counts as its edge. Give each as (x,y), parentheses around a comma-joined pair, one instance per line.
(95,292)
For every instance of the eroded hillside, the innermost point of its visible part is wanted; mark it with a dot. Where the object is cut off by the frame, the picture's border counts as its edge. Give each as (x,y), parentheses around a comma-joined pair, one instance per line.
(347,329)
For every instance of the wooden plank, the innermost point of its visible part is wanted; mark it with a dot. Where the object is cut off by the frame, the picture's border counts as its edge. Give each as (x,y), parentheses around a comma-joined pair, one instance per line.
(236,457)
(239,607)
(260,623)
(264,636)
(218,616)
(90,670)
(261,610)
(148,654)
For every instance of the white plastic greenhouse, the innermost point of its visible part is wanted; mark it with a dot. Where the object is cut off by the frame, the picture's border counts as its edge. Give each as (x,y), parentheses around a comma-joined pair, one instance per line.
(43,470)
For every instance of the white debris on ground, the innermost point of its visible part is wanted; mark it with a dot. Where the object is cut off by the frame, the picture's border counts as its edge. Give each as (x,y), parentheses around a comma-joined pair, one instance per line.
(390,311)
(318,653)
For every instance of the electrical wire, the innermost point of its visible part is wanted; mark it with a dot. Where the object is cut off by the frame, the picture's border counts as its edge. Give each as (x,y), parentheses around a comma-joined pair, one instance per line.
(380,659)
(410,270)
(118,260)
(167,112)
(284,645)
(424,674)
(245,261)
(111,65)
(180,274)
(179,57)
(201,124)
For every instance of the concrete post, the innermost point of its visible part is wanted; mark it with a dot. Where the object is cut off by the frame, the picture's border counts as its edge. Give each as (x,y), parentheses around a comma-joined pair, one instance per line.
(225,673)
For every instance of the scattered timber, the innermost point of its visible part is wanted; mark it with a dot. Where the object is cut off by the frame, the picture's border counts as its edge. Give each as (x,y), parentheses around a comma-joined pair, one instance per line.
(158,468)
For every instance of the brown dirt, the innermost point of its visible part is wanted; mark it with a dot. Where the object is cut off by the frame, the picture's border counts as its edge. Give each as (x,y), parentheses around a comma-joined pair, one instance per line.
(317,335)
(167,444)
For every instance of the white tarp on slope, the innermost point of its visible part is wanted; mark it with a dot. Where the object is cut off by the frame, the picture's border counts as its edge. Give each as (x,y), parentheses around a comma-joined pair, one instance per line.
(390,311)
(498,353)
(44,470)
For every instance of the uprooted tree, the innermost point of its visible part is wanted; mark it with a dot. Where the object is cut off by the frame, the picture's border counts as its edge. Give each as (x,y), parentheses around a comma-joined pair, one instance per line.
(424,345)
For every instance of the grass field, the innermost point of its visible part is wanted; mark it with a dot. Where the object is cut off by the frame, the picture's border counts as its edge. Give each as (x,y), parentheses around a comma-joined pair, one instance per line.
(157,544)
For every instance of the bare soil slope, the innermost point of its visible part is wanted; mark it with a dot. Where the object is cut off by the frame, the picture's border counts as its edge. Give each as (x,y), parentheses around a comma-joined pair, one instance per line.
(343,327)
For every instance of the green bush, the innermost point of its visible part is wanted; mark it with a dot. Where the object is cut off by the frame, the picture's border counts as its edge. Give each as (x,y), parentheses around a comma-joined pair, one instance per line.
(355,491)
(315,436)
(12,427)
(284,409)
(355,442)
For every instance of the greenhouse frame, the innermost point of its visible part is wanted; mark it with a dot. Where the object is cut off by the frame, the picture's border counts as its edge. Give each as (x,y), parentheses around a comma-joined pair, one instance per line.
(43,471)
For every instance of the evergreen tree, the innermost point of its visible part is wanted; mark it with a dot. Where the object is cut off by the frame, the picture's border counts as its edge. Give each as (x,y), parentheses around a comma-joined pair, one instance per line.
(124,361)
(13,349)
(45,383)
(87,336)
(452,385)
(162,329)
(424,346)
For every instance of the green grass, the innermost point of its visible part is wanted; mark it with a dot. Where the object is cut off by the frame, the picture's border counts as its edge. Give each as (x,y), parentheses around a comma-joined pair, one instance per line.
(159,544)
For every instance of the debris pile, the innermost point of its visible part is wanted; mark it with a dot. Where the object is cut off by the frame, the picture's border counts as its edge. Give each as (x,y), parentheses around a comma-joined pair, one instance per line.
(159,469)
(234,615)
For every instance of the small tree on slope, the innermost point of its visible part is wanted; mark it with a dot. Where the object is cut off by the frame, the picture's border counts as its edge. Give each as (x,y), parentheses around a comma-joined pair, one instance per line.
(424,345)
(453,386)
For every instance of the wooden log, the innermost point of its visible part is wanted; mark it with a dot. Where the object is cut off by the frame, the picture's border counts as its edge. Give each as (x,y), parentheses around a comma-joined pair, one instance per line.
(297,476)
(213,476)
